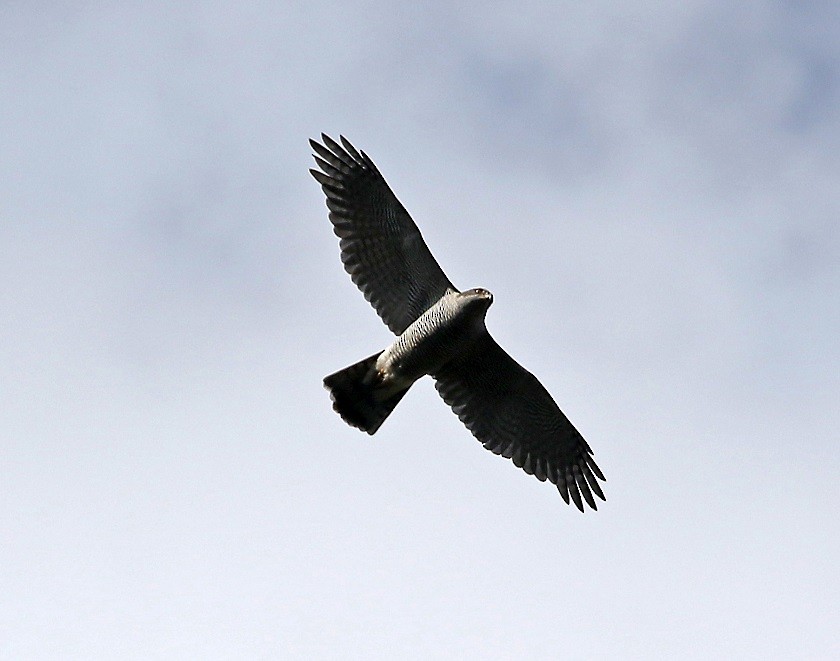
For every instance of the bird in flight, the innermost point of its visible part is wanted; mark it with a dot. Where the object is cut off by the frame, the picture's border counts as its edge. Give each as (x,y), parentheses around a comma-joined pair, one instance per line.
(441,333)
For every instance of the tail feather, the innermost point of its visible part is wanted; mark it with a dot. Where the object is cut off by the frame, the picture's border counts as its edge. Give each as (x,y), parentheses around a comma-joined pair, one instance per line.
(358,396)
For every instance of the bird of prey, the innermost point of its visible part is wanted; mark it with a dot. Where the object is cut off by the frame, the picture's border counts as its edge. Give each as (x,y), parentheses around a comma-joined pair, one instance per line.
(440,332)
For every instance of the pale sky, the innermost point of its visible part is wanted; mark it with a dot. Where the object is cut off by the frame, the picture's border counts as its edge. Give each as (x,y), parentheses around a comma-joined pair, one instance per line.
(649,189)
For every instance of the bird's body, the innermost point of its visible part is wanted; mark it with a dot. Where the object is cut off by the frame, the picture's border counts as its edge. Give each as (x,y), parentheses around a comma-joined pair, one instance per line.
(440,332)
(446,330)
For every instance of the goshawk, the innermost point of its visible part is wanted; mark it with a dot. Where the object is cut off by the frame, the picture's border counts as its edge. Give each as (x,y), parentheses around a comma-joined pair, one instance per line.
(440,332)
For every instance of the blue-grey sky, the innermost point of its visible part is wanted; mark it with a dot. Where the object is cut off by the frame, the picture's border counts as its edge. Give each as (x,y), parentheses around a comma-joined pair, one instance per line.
(649,189)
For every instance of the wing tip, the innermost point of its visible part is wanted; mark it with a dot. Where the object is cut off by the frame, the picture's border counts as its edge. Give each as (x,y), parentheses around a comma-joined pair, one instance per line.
(576,483)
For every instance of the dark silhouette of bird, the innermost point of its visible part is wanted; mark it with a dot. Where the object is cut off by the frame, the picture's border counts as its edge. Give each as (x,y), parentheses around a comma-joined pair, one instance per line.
(440,332)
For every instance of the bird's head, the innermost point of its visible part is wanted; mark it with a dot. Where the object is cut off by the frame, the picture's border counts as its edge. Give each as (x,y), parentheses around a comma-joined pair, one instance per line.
(478,296)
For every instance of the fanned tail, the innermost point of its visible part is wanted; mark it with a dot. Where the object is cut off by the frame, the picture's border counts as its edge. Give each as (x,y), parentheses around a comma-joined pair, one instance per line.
(359,396)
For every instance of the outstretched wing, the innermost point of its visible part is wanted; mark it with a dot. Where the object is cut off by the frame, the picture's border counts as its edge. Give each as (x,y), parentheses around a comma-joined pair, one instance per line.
(381,247)
(512,414)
